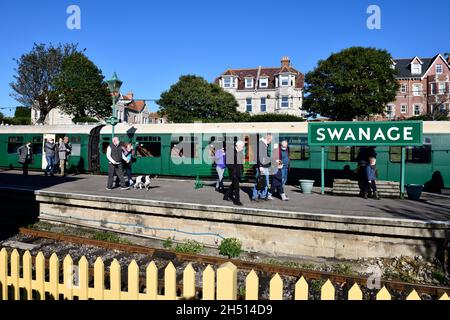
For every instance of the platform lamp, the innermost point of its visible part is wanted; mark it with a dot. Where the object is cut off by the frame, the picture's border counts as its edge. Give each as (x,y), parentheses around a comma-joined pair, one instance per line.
(114,85)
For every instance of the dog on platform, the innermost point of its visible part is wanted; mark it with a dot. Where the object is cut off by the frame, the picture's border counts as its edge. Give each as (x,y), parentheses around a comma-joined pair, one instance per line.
(143,182)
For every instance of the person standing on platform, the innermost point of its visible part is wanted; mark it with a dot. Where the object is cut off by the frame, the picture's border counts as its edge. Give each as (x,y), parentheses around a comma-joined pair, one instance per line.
(235,169)
(219,161)
(50,151)
(25,156)
(263,168)
(128,153)
(284,158)
(64,150)
(371,177)
(115,155)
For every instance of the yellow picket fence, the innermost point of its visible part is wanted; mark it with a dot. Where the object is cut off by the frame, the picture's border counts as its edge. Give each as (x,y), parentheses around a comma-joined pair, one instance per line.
(16,276)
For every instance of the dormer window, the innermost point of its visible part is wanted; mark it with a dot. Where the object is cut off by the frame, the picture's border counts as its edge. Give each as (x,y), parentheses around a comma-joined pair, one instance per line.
(263,82)
(416,68)
(248,83)
(227,82)
(284,81)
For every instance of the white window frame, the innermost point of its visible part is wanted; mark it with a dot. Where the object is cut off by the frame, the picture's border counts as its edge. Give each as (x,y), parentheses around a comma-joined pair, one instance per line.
(281,102)
(264,81)
(417,92)
(248,104)
(390,110)
(419,109)
(416,68)
(247,86)
(263,104)
(403,88)
(440,67)
(281,81)
(227,78)
(404,108)
(441,87)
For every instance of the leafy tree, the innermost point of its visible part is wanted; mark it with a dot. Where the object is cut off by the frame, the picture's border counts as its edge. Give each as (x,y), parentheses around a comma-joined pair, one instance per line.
(192,99)
(274,117)
(438,114)
(355,82)
(36,70)
(81,88)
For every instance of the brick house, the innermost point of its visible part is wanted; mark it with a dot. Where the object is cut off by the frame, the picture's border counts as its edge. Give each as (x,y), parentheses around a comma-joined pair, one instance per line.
(266,89)
(424,86)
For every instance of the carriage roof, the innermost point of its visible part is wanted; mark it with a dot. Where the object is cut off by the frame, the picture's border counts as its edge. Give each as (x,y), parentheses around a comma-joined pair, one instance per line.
(55,129)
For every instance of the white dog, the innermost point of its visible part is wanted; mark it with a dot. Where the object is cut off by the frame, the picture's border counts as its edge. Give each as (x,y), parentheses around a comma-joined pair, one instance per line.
(143,182)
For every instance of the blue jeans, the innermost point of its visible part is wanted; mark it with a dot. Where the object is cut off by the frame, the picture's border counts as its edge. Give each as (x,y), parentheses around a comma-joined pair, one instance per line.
(50,164)
(284,175)
(263,193)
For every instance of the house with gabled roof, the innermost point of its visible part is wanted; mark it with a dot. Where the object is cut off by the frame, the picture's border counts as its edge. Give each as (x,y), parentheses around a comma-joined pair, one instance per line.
(424,86)
(132,111)
(266,89)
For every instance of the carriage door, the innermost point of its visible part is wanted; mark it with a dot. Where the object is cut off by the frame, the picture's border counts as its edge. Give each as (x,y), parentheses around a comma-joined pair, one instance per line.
(46,137)
(250,154)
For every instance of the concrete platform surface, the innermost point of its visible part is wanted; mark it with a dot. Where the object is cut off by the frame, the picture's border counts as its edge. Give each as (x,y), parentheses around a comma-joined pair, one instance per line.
(430,208)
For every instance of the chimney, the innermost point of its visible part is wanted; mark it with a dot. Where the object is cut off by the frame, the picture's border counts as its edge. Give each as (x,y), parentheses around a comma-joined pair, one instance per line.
(285,62)
(130,95)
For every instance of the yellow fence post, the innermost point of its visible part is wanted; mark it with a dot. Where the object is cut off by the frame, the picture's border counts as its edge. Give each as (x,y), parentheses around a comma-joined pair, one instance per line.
(54,276)
(40,275)
(444,297)
(68,270)
(276,288)
(170,282)
(189,282)
(252,286)
(209,285)
(383,294)
(133,281)
(327,291)
(355,293)
(15,267)
(152,281)
(413,295)
(227,282)
(83,278)
(4,273)
(27,275)
(115,280)
(99,279)
(301,289)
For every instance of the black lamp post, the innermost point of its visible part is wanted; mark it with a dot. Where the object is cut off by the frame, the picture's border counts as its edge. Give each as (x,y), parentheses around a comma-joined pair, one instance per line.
(114,85)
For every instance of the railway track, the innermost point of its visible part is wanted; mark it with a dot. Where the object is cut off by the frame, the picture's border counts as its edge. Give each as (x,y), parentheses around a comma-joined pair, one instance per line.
(398,288)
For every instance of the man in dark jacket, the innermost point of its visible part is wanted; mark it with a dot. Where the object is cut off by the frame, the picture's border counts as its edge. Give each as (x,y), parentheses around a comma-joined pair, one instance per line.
(115,155)
(263,165)
(235,169)
(50,151)
(25,156)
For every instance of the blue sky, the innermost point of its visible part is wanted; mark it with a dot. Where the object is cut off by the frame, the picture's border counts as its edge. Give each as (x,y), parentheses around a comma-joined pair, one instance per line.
(151,43)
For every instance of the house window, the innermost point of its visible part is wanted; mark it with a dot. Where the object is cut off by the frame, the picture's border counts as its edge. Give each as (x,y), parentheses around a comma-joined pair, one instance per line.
(439,69)
(390,111)
(263,83)
(416,68)
(404,108)
(442,88)
(249,106)
(403,88)
(433,88)
(417,110)
(284,102)
(263,105)
(227,83)
(417,89)
(248,83)
(284,81)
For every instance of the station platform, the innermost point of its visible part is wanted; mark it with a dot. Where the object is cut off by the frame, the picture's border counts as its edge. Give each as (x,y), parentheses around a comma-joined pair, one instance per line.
(311,225)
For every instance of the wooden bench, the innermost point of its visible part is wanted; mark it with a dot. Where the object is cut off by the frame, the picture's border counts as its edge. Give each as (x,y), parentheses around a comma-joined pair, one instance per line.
(386,189)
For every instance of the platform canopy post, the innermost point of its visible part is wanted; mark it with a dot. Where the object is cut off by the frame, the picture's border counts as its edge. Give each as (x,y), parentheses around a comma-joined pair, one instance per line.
(402,174)
(322,169)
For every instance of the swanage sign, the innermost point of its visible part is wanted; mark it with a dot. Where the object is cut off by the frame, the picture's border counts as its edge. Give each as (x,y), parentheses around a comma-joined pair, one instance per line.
(391,133)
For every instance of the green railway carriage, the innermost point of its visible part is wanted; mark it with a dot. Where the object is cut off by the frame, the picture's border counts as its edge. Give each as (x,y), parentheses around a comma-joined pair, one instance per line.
(158,151)
(83,138)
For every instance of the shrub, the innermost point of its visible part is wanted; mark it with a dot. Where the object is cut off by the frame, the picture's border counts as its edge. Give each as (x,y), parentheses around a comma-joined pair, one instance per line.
(230,247)
(84,119)
(190,246)
(168,243)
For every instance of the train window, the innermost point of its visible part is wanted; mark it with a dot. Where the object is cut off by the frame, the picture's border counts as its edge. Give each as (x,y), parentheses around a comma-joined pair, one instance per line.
(148,149)
(349,154)
(14,143)
(37,145)
(76,139)
(148,138)
(105,146)
(420,154)
(298,147)
(184,146)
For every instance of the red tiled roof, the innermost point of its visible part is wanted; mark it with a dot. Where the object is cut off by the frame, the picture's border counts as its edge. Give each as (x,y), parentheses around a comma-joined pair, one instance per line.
(136,105)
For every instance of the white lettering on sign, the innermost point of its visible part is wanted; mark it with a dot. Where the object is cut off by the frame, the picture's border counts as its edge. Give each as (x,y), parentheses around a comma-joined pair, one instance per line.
(320,132)
(389,134)
(335,133)
(362,133)
(379,134)
(350,135)
(407,133)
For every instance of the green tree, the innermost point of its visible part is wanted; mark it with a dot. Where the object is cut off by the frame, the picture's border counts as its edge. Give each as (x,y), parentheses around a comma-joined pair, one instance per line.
(356,82)
(192,99)
(36,71)
(81,88)
(274,117)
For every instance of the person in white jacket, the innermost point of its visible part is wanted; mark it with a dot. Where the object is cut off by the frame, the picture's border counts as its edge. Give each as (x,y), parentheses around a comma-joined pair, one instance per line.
(115,155)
